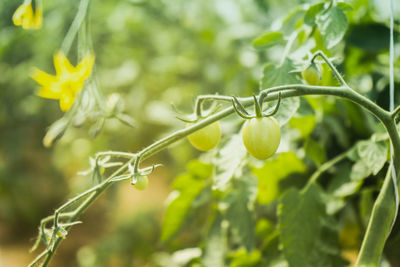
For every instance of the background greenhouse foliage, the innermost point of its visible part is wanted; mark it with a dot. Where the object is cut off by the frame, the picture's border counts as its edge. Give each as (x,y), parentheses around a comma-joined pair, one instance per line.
(157,53)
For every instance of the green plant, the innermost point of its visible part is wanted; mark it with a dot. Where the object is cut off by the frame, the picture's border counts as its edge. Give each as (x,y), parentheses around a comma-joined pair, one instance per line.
(252,212)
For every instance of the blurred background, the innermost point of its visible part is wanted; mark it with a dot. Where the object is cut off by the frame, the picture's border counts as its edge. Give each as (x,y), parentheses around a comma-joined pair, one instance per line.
(153,53)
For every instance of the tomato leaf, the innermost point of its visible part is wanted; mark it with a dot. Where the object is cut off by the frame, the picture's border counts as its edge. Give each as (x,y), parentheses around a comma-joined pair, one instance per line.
(315,151)
(307,235)
(360,171)
(293,20)
(241,258)
(299,224)
(240,212)
(216,244)
(305,124)
(268,39)
(332,24)
(272,172)
(311,13)
(344,6)
(187,187)
(341,185)
(373,154)
(287,109)
(229,162)
(370,157)
(274,74)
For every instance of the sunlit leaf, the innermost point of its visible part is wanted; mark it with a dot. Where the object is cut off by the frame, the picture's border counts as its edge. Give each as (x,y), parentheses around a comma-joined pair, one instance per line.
(315,151)
(293,20)
(360,171)
(268,39)
(304,124)
(300,224)
(287,109)
(272,172)
(369,156)
(187,187)
(332,24)
(341,184)
(242,258)
(307,235)
(344,6)
(274,74)
(311,13)
(240,213)
(229,162)
(216,244)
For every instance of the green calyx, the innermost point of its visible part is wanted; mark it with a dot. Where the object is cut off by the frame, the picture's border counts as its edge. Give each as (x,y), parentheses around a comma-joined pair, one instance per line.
(258,107)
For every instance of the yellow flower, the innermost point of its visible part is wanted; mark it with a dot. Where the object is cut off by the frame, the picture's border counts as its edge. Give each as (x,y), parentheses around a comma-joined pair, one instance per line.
(25,17)
(67,82)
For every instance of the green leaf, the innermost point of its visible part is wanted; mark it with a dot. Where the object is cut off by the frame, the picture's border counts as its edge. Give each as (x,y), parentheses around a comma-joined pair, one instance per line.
(187,187)
(287,109)
(274,74)
(344,6)
(196,170)
(268,39)
(241,258)
(216,244)
(373,154)
(293,20)
(341,184)
(240,212)
(229,162)
(200,169)
(370,157)
(299,223)
(272,172)
(311,13)
(315,151)
(332,24)
(177,210)
(360,171)
(304,124)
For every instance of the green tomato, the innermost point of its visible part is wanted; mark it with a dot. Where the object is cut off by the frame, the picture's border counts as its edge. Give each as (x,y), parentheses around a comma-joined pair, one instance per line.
(206,138)
(261,136)
(311,76)
(142,182)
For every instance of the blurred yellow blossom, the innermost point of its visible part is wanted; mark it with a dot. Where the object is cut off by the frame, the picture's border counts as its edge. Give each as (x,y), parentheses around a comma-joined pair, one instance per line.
(26,18)
(67,82)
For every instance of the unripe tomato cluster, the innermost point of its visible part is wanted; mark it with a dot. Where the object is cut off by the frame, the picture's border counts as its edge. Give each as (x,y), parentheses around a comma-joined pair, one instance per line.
(261,137)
